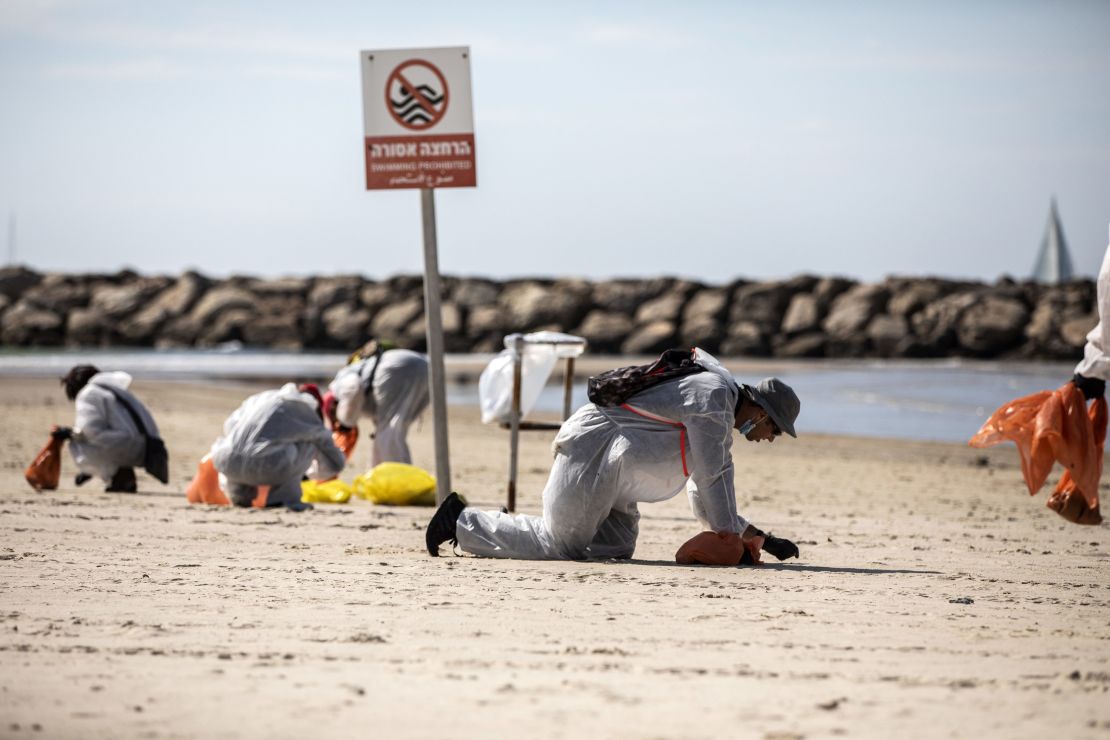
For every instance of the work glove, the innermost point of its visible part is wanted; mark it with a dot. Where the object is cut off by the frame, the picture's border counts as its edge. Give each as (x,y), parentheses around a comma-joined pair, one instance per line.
(331,405)
(61,433)
(1089,387)
(780,548)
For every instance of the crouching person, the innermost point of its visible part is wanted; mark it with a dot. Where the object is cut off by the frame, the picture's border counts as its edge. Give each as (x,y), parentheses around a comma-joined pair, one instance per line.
(668,438)
(106,440)
(390,387)
(274,439)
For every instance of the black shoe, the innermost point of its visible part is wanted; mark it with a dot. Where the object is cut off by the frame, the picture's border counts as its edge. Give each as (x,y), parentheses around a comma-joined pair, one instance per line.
(82,479)
(123,482)
(442,526)
(780,548)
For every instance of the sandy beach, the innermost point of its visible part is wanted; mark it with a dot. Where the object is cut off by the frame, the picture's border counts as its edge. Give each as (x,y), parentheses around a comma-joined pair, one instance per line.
(933,598)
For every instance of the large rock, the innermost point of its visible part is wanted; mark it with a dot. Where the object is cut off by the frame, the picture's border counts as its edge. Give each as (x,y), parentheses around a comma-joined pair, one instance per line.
(474,292)
(1073,333)
(708,303)
(992,326)
(827,289)
(229,325)
(1057,307)
(119,301)
(220,300)
(346,324)
(745,339)
(853,310)
(58,294)
(88,327)
(179,298)
(276,331)
(531,305)
(890,335)
(483,321)
(650,338)
(177,332)
(935,325)
(626,296)
(803,315)
(26,324)
(15,280)
(454,340)
(701,331)
(762,304)
(392,321)
(910,296)
(605,330)
(667,307)
(333,291)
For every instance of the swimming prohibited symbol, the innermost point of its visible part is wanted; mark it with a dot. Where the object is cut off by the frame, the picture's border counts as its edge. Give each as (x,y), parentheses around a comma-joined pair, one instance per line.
(416,94)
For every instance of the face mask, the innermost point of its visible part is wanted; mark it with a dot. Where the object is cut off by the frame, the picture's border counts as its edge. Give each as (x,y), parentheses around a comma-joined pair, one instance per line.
(748,425)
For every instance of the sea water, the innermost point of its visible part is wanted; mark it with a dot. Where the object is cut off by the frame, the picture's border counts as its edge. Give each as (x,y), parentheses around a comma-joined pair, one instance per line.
(945,400)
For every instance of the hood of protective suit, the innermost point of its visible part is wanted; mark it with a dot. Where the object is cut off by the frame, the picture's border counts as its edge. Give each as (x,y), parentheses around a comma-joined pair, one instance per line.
(115,378)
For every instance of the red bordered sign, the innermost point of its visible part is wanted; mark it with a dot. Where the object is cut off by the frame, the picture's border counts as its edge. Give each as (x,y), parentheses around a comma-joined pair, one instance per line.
(419,126)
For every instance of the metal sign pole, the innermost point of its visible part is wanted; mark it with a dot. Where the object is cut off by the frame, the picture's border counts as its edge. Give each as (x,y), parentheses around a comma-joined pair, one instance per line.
(434,322)
(514,419)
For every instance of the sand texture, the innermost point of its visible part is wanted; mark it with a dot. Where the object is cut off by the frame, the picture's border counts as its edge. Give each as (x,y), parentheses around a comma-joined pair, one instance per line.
(933,598)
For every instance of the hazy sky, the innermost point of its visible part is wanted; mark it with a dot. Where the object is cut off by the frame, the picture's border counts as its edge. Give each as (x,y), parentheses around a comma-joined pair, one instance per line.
(711,140)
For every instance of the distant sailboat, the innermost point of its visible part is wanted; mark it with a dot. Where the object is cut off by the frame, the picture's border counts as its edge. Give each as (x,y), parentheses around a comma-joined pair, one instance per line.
(1053,261)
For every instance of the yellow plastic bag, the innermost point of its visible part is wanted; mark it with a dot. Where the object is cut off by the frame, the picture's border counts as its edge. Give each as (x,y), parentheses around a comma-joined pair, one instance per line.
(397,484)
(334,491)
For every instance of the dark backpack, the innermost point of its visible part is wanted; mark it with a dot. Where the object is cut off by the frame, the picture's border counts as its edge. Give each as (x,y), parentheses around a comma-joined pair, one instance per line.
(156,460)
(614,387)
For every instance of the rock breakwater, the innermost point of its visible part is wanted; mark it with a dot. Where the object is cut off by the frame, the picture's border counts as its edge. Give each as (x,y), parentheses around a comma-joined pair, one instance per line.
(804,316)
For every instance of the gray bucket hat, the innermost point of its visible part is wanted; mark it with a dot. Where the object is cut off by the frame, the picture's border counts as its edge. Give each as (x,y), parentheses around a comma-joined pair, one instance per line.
(779,401)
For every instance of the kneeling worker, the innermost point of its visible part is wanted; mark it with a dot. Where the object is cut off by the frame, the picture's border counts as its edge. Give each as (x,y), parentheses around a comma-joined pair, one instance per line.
(273,439)
(109,437)
(390,386)
(608,459)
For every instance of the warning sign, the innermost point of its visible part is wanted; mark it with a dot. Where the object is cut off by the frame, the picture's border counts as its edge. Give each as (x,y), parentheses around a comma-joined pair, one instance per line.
(419,125)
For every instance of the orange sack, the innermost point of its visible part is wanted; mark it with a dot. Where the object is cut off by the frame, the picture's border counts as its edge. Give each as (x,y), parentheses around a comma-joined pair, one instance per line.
(205,487)
(713,548)
(345,440)
(1050,427)
(44,473)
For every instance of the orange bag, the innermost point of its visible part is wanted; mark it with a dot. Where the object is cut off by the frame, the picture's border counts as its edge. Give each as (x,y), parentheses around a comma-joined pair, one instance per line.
(205,487)
(1050,427)
(714,548)
(345,441)
(44,473)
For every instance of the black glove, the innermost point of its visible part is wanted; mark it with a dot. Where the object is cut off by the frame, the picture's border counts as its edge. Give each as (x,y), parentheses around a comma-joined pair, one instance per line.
(1089,387)
(780,548)
(62,433)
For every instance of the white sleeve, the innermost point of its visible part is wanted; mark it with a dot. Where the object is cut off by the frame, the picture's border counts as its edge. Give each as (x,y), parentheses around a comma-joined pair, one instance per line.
(711,488)
(1096,354)
(349,396)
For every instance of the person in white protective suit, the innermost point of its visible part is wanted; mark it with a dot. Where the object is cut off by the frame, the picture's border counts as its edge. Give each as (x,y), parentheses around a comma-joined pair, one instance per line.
(608,460)
(274,439)
(391,388)
(1093,370)
(104,440)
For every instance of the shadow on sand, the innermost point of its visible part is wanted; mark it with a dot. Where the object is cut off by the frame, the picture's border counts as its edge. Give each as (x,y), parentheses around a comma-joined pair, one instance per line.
(796,567)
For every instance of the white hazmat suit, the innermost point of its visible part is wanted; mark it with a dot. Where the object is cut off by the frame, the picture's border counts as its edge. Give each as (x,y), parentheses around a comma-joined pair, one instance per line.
(609,459)
(399,395)
(105,437)
(273,439)
(1096,353)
